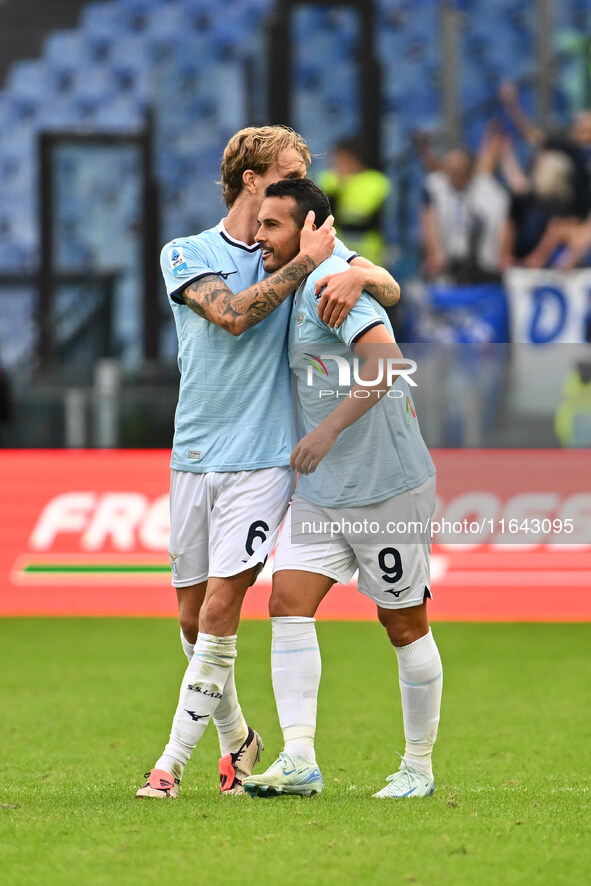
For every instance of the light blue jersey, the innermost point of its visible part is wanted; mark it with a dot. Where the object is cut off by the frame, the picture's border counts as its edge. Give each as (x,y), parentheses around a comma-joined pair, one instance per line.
(381,454)
(234,409)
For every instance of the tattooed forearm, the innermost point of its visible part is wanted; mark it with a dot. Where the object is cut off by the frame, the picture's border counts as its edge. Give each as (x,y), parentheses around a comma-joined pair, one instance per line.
(210,298)
(262,298)
(378,282)
(191,302)
(386,293)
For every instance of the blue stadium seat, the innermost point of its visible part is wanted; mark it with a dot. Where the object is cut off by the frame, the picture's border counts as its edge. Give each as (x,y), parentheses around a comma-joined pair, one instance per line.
(99,87)
(186,58)
(101,18)
(126,113)
(66,50)
(135,15)
(18,327)
(129,65)
(19,223)
(101,27)
(18,155)
(27,78)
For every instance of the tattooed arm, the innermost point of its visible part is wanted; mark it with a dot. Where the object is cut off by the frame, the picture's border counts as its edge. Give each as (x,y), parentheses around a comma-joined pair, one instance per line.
(378,282)
(212,299)
(341,291)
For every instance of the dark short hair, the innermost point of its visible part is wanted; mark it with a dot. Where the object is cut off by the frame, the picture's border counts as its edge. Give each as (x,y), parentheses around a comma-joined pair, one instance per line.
(353,146)
(307,196)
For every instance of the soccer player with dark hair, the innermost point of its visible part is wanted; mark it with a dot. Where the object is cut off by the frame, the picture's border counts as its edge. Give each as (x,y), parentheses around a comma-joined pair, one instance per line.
(362,461)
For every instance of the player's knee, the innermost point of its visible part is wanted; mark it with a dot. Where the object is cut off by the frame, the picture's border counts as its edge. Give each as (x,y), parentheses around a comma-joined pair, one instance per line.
(220,615)
(189,622)
(400,635)
(279,606)
(400,631)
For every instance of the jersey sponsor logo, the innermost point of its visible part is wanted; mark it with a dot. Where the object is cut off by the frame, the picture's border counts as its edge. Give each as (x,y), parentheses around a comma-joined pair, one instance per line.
(177,260)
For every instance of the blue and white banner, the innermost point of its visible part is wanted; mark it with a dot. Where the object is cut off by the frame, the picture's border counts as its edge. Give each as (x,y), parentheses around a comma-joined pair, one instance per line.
(548,306)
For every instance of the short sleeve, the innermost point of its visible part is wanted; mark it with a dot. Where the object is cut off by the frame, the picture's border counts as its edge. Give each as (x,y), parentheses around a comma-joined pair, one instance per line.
(361,318)
(183,261)
(343,251)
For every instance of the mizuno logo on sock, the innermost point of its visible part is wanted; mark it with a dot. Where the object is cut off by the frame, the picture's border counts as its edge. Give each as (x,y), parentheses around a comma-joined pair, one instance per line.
(195,716)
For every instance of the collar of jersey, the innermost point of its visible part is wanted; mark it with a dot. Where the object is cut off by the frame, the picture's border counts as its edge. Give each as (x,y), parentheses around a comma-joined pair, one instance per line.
(238,243)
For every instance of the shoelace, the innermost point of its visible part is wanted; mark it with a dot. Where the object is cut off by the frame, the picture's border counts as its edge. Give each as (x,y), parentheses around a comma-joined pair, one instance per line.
(404,770)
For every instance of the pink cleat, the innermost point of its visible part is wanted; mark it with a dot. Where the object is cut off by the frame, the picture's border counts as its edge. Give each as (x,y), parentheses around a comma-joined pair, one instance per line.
(160,784)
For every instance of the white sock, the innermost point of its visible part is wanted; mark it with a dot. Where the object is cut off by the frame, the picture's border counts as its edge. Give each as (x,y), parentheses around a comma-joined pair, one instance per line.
(231,725)
(295,669)
(421,678)
(188,648)
(201,691)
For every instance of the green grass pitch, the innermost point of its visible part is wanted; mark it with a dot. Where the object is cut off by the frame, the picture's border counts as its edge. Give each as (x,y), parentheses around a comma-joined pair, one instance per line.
(86,706)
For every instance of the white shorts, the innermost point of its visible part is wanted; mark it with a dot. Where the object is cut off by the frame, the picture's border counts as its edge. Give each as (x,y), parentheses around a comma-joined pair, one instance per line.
(224,522)
(394,574)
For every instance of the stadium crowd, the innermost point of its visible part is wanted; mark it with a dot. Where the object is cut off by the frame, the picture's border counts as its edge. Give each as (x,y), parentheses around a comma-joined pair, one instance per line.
(486,213)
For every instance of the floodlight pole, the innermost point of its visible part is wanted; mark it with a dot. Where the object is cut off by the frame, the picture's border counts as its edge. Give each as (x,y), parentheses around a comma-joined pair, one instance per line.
(450,37)
(280,54)
(545,61)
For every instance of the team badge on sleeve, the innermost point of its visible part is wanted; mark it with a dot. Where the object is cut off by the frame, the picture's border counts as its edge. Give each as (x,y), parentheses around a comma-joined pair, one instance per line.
(177,260)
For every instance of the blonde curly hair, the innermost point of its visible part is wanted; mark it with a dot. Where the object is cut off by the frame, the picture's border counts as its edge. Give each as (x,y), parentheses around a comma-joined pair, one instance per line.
(256,148)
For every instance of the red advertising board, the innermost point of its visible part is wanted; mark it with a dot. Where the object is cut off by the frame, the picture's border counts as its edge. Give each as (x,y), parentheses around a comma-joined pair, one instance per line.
(86,533)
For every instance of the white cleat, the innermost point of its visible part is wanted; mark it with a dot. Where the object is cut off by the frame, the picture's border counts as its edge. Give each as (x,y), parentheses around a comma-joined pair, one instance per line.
(288,775)
(234,768)
(407,783)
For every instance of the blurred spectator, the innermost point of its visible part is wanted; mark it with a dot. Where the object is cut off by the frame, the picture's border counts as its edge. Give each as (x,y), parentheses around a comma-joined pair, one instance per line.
(357,196)
(542,203)
(566,244)
(464,209)
(578,137)
(572,422)
(570,227)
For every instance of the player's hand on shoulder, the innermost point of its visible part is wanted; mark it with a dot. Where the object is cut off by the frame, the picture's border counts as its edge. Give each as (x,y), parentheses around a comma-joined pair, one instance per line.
(317,243)
(311,449)
(341,293)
